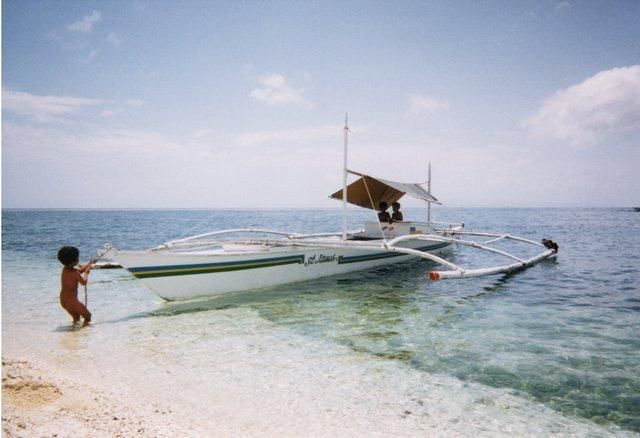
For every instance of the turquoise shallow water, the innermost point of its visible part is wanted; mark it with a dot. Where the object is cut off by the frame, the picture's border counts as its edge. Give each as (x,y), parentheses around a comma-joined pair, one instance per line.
(565,333)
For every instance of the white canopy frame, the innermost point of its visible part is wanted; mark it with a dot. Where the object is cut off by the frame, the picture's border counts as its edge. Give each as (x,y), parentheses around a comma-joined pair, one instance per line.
(368,191)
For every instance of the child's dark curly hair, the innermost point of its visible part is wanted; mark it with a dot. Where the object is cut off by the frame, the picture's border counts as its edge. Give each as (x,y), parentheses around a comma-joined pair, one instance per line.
(68,255)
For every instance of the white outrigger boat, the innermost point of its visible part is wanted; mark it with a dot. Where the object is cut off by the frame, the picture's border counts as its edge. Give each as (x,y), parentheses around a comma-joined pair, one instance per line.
(213,263)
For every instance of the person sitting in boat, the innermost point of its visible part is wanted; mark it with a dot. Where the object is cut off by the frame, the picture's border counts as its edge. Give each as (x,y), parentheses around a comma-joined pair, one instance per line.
(384,215)
(397,214)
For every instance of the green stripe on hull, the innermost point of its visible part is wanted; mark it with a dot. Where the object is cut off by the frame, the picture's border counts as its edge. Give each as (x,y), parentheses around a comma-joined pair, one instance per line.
(221,267)
(384,255)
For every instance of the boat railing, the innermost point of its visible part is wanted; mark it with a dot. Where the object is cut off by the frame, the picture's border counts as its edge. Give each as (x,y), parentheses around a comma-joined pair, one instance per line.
(437,238)
(496,237)
(372,245)
(195,241)
(315,235)
(449,225)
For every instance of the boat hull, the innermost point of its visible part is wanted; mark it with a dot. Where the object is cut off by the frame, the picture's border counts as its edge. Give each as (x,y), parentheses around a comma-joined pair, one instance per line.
(179,276)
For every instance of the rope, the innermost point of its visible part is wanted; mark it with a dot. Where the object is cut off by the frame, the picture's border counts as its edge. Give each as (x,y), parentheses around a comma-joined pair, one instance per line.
(196,226)
(364,179)
(107,247)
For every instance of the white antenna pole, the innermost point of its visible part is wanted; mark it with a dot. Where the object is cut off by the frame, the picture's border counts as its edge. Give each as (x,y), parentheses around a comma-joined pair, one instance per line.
(429,190)
(344,180)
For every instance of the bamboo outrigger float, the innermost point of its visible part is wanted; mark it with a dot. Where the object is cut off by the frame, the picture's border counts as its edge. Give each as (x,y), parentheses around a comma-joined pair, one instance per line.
(212,263)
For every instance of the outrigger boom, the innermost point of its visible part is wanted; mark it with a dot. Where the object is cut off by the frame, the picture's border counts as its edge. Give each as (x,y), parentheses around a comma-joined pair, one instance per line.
(459,272)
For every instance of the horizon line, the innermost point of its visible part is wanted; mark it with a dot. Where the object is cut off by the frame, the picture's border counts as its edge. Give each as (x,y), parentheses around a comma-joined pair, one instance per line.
(284,208)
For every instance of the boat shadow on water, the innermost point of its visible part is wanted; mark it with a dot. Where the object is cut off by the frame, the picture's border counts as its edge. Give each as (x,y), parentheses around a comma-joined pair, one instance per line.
(384,284)
(387,282)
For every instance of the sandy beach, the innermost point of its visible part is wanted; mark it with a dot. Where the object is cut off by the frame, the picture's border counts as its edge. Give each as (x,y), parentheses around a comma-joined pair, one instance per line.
(37,403)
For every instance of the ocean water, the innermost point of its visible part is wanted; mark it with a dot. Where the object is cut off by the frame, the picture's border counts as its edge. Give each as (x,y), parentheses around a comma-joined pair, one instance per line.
(554,349)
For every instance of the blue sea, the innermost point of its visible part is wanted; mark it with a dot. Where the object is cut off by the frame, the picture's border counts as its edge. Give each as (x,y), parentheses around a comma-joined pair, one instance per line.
(554,349)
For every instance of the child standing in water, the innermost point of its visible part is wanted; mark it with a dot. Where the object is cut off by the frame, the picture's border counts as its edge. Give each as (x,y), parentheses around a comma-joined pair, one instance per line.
(69,256)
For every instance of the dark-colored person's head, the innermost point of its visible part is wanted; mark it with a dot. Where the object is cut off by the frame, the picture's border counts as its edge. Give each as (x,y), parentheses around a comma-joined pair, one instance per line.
(383,206)
(395,206)
(68,255)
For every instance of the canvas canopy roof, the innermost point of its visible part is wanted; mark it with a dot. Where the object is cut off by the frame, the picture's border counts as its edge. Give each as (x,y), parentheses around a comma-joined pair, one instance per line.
(380,190)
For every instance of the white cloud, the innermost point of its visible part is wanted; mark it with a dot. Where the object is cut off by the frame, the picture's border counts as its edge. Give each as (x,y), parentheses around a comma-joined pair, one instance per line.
(113,39)
(139,6)
(43,161)
(426,104)
(302,135)
(129,140)
(59,108)
(46,140)
(92,54)
(562,5)
(43,108)
(276,91)
(583,114)
(202,133)
(86,24)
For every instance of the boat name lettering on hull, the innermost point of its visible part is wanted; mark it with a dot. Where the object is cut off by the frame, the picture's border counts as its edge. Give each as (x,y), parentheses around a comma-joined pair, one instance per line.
(320,258)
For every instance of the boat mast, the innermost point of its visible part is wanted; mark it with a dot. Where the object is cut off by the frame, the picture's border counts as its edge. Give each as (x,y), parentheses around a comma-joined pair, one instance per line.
(429,190)
(344,180)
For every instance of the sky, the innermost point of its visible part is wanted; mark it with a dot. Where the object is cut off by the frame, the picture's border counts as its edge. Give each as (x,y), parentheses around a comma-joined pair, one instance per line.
(242,104)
